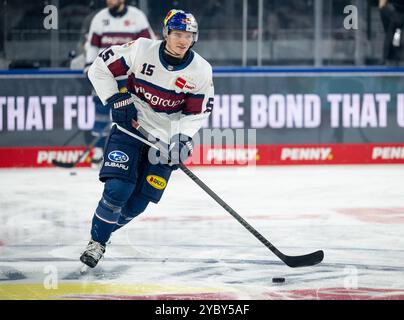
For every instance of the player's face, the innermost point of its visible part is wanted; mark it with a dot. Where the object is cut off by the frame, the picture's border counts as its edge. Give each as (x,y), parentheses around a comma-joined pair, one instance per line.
(179,42)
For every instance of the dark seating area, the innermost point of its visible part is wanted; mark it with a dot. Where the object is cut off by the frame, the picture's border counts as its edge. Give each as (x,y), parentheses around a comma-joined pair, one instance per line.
(289,32)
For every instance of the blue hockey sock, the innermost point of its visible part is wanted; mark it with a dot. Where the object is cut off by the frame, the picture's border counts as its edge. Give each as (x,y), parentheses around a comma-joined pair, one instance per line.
(105,217)
(134,207)
(123,220)
(116,194)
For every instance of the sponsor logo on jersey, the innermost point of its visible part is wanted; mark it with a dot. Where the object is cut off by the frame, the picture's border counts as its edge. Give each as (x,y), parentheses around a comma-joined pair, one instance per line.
(118,156)
(156,100)
(295,154)
(116,165)
(387,153)
(182,83)
(156,182)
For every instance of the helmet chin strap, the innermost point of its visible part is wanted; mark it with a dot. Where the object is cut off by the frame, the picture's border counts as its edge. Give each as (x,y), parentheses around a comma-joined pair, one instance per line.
(171,53)
(172,57)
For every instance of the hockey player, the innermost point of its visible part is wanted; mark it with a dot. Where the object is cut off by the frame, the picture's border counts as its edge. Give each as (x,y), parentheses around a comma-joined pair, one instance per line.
(170,94)
(115,25)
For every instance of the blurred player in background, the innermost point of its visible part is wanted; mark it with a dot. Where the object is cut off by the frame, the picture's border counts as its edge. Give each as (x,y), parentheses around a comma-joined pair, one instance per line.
(115,25)
(170,94)
(392,15)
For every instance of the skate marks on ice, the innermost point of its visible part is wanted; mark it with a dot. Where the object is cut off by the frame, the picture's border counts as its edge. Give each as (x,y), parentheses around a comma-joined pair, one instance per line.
(173,252)
(170,270)
(193,278)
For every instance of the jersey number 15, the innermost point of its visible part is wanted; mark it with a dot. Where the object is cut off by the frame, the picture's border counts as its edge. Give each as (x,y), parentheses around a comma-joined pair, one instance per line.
(147,69)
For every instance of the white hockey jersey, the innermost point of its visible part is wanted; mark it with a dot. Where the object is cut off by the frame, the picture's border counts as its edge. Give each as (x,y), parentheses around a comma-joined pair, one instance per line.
(107,30)
(170,99)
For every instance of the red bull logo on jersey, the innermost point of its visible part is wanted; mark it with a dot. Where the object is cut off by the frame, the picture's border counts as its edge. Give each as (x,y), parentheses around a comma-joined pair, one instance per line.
(156,182)
(183,84)
(180,83)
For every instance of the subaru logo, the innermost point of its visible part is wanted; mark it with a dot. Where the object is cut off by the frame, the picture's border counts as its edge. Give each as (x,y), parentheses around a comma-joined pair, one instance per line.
(118,156)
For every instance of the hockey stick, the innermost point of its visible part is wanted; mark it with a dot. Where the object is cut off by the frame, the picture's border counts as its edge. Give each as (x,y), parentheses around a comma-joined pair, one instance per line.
(63,164)
(291,261)
(80,158)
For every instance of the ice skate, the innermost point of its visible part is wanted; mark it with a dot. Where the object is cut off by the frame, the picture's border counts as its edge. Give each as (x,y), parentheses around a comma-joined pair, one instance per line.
(93,253)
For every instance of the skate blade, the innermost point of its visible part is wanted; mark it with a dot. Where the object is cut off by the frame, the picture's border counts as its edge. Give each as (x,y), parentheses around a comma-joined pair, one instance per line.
(84,269)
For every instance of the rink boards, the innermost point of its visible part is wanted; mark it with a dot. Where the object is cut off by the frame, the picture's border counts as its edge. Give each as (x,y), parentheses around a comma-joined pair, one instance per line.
(292,116)
(386,153)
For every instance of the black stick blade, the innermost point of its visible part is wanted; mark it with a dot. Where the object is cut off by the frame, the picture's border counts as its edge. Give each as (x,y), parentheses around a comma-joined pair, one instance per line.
(63,164)
(306,260)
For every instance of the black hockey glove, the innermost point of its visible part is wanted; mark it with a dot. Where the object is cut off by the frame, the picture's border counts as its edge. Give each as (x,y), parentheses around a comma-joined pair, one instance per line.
(123,109)
(181,147)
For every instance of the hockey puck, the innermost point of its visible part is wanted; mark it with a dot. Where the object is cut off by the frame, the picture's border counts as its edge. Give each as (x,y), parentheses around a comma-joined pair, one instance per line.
(72,173)
(278,280)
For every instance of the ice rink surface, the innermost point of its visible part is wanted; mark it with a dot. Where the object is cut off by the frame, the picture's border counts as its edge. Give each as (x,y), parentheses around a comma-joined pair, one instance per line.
(188,247)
